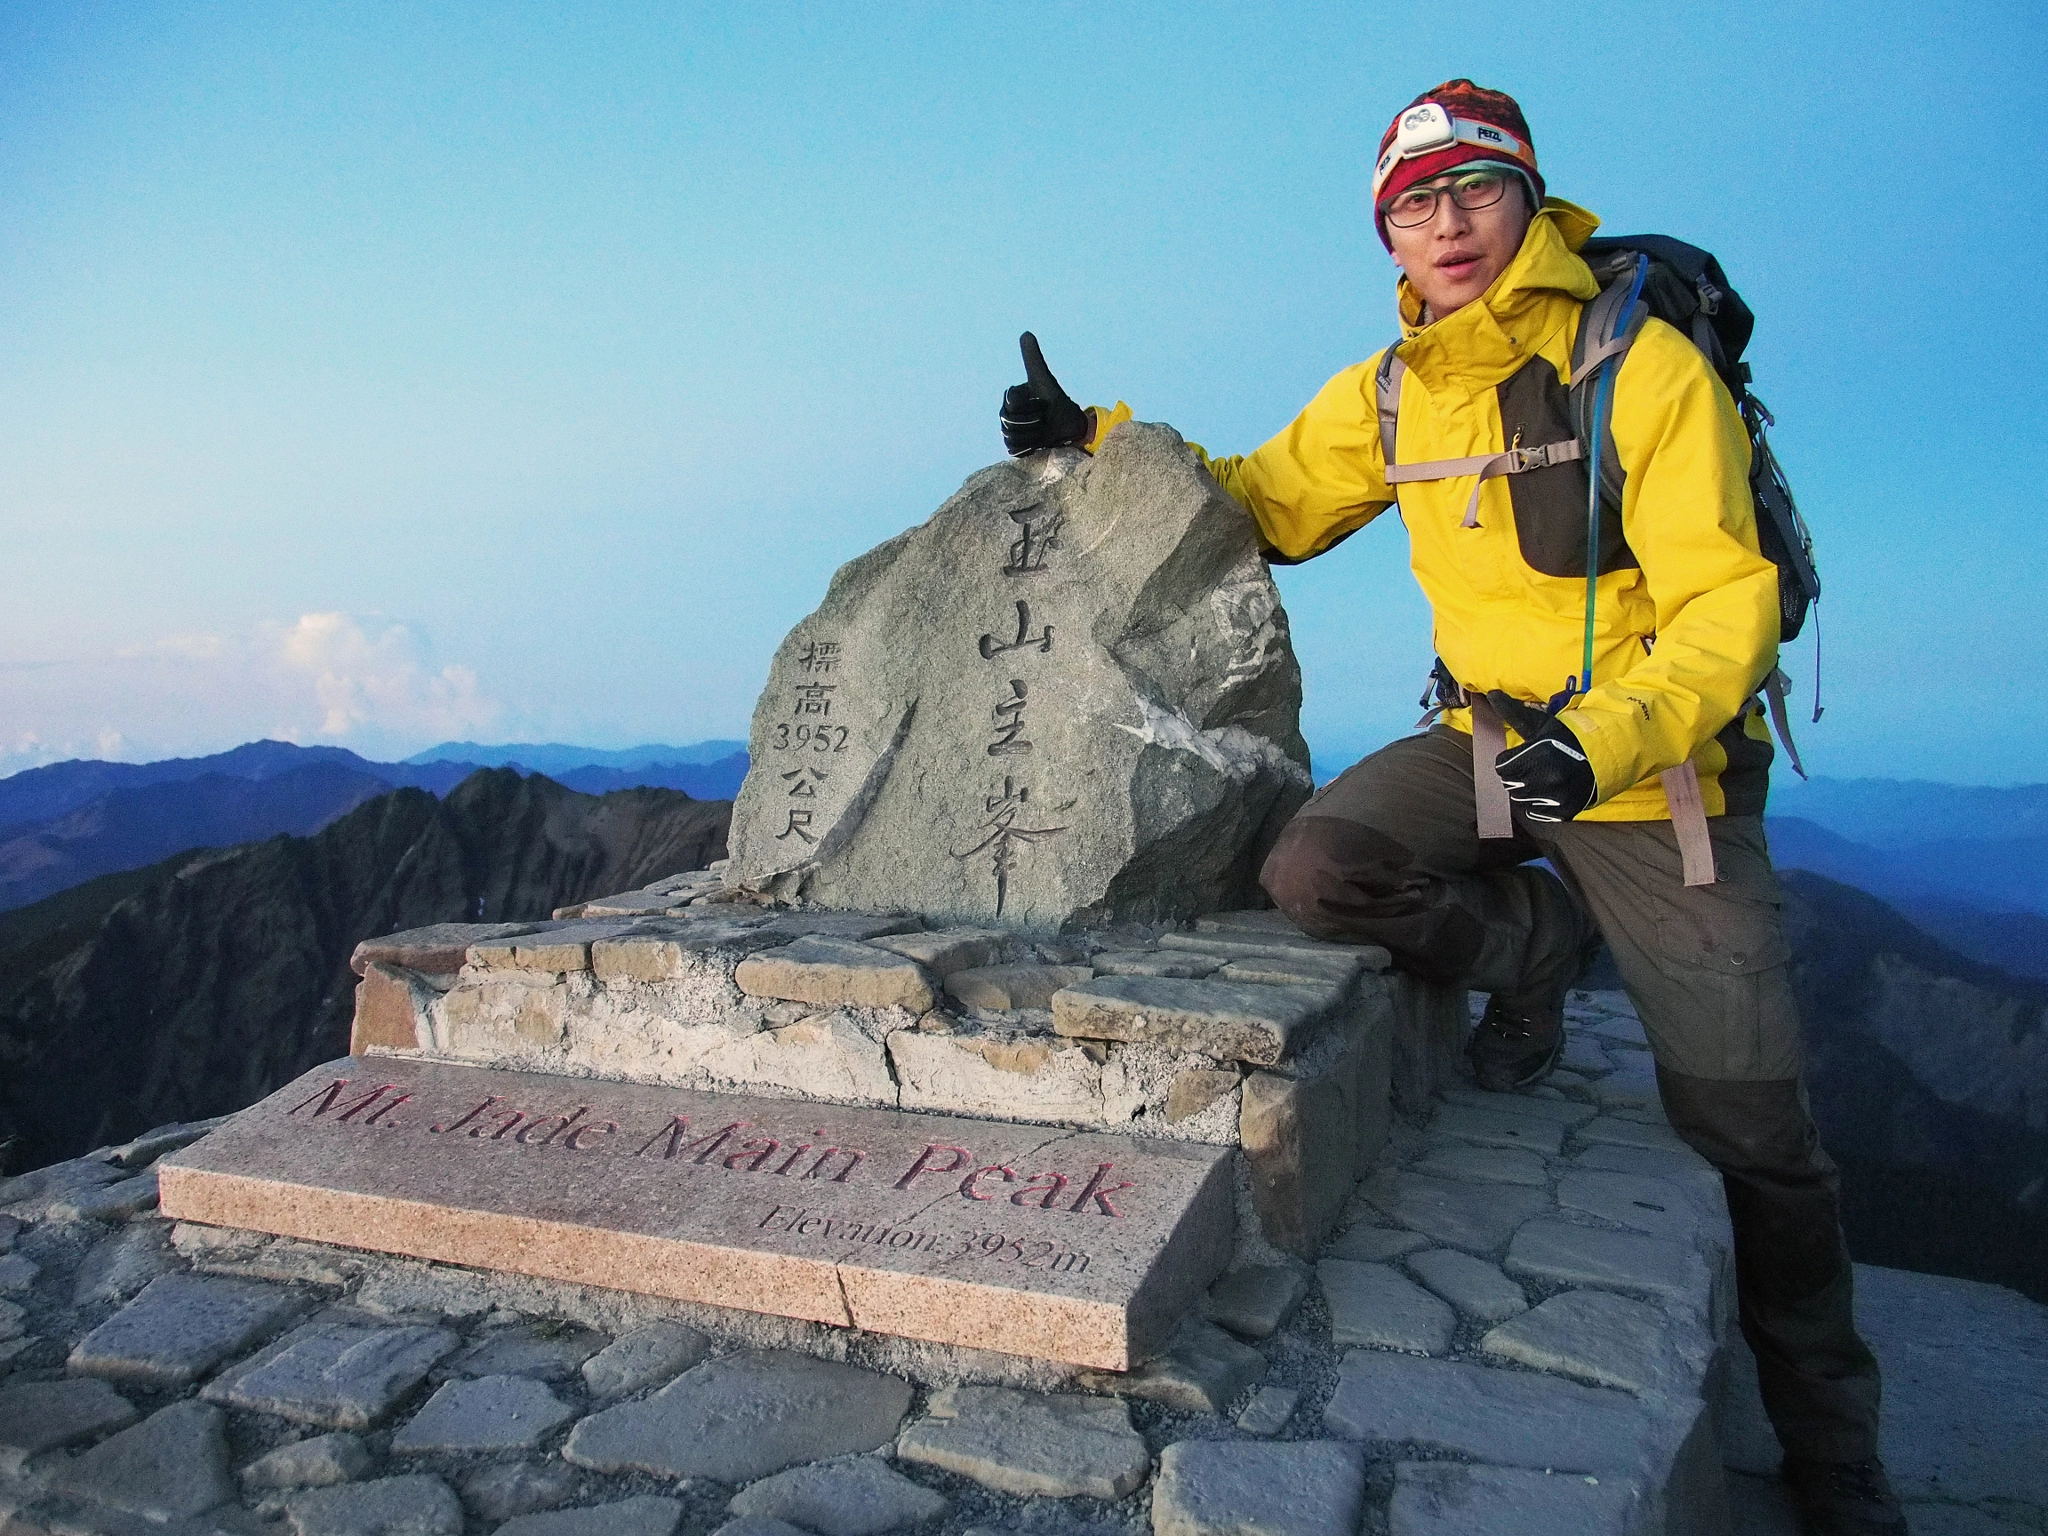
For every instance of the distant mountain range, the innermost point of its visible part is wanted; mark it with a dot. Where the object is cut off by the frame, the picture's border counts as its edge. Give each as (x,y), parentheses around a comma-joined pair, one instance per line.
(555,758)
(70,822)
(198,984)
(1929,1079)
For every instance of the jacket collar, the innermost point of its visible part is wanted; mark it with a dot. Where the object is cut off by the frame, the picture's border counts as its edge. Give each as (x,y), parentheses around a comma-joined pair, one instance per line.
(1504,327)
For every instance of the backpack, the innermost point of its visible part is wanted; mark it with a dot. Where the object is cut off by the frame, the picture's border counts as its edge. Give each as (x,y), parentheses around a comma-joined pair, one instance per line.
(1685,287)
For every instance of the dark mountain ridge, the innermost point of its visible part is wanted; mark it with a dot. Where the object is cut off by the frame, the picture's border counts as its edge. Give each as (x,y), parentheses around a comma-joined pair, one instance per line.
(200,984)
(72,821)
(1928,1073)
(42,794)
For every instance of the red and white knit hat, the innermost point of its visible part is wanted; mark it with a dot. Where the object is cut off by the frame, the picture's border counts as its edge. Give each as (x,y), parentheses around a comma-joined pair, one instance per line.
(1453,125)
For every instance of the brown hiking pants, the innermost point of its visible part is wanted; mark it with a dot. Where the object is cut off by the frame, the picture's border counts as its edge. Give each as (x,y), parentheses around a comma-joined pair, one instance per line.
(1389,853)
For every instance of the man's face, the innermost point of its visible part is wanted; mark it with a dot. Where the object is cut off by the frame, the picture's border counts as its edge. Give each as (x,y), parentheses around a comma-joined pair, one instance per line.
(1453,256)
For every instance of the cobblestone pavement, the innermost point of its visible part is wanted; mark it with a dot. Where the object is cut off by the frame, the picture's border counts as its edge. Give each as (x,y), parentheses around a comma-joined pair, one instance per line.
(1511,1330)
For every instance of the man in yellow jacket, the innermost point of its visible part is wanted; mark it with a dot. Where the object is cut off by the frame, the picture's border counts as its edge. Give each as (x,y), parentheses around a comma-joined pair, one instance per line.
(1403,850)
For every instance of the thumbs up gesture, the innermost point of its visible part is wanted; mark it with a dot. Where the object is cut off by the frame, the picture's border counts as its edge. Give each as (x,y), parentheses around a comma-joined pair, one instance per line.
(1038,413)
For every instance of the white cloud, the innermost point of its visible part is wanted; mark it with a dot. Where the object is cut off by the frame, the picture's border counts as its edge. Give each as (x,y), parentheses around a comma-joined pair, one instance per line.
(371,686)
(382,681)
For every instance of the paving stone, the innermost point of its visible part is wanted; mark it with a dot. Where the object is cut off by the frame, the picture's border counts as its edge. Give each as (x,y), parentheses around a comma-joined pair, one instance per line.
(1014,986)
(1583,1054)
(1256,1301)
(544,1352)
(1241,945)
(1610,1341)
(181,1327)
(13,1349)
(1230,1020)
(950,949)
(334,1375)
(1567,1112)
(741,1416)
(1154,962)
(38,1416)
(1204,1370)
(1498,1128)
(122,1263)
(837,971)
(1373,1245)
(506,1489)
(645,1515)
(656,1352)
(490,1413)
(1656,1206)
(1616,1024)
(1058,1445)
(859,1497)
(859,926)
(764,1525)
(17,1274)
(1563,1254)
(1494,1165)
(1374,1304)
(1269,1410)
(171,1465)
(13,1320)
(1226,1488)
(1631,1088)
(1473,1286)
(1477,1217)
(10,1228)
(30,1192)
(1680,1164)
(1511,1418)
(108,1202)
(390,1506)
(1434,1498)
(1631,1133)
(316,1463)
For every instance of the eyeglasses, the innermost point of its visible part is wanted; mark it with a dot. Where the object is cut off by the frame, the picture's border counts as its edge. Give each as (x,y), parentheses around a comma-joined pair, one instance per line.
(1471,192)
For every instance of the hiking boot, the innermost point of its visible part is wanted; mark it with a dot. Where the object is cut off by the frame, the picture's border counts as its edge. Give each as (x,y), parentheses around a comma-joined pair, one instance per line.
(1516,1047)
(1844,1498)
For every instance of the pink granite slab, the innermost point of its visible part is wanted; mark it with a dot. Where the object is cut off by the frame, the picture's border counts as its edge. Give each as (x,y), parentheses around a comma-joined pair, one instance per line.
(1063,1245)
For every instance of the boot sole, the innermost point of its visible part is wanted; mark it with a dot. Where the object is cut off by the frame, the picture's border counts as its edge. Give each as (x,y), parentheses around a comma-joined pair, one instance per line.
(1531,1075)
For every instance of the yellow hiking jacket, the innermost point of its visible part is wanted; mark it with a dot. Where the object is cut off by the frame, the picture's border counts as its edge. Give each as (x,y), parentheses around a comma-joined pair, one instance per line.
(1686,626)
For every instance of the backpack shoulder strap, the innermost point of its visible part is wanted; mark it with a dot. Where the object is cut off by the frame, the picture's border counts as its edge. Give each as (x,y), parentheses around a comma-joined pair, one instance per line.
(1608,327)
(1387,385)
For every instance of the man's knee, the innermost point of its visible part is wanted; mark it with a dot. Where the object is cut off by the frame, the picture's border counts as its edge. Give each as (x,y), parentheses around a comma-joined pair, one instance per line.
(1350,883)
(1321,865)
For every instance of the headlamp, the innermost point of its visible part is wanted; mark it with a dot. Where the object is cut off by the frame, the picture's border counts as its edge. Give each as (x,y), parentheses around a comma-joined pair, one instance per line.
(1428,127)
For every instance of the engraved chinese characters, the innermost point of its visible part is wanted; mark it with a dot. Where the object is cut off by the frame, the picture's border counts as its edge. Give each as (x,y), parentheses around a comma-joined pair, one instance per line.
(1067,698)
(815,735)
(1002,837)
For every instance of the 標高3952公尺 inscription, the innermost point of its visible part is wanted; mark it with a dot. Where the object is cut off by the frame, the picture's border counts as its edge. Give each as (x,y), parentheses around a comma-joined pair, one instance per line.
(1025,1238)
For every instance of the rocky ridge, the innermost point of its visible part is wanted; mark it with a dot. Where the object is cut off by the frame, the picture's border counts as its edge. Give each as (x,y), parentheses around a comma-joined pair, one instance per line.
(199,986)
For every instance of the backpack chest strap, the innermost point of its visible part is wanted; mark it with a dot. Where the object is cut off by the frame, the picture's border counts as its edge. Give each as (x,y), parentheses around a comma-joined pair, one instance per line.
(1487,466)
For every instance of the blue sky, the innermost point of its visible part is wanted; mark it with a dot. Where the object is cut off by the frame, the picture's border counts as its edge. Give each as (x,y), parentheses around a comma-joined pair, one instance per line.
(376,374)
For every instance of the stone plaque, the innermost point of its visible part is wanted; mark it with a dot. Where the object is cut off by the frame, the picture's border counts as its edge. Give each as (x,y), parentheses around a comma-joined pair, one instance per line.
(1069,697)
(1064,1245)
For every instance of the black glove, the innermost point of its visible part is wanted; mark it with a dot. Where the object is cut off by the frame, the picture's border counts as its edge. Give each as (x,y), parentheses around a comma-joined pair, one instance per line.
(1038,413)
(1547,776)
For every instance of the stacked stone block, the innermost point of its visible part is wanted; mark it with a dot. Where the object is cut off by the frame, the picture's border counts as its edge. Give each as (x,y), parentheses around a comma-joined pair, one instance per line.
(1236,1031)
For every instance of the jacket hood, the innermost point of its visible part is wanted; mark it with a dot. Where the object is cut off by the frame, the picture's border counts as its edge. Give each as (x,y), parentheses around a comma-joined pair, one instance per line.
(1498,331)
